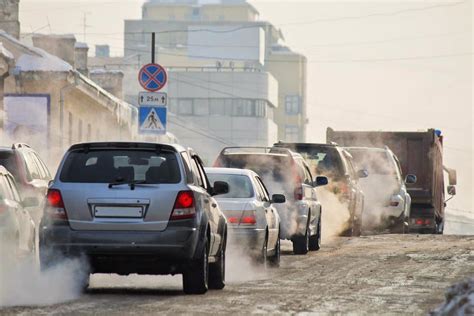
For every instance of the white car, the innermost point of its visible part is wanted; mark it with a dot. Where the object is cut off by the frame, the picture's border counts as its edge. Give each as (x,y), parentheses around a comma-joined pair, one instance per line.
(253,221)
(387,202)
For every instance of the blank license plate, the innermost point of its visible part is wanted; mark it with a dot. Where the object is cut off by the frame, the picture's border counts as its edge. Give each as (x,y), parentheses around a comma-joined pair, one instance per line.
(127,211)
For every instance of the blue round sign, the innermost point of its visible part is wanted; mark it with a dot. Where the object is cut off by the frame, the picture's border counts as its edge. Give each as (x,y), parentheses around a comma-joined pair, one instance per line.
(152,77)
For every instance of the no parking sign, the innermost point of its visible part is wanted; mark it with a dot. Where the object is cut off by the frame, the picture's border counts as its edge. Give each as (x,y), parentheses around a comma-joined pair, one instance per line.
(152,77)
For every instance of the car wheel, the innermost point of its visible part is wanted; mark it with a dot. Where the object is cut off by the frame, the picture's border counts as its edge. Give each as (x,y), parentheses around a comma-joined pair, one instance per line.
(301,243)
(196,277)
(217,271)
(315,241)
(263,259)
(84,279)
(274,261)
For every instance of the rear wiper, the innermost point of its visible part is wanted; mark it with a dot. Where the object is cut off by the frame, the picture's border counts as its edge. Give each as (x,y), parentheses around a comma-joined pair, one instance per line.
(130,183)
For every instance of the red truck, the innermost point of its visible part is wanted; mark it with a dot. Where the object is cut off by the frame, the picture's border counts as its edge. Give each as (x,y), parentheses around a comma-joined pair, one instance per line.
(420,153)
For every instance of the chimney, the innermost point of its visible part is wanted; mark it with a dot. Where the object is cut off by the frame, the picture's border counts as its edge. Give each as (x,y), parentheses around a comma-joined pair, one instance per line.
(9,21)
(62,46)
(102,51)
(110,80)
(80,63)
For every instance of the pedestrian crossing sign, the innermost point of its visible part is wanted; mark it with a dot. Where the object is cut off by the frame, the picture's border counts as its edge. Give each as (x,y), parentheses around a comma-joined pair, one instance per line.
(152,120)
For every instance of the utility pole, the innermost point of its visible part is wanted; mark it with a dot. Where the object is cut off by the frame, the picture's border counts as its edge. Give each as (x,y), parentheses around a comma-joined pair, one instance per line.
(153,47)
(84,25)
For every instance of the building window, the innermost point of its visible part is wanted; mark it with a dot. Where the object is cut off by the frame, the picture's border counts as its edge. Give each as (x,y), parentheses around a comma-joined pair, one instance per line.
(260,108)
(185,107)
(89,132)
(195,14)
(172,105)
(243,107)
(79,131)
(70,128)
(217,107)
(293,104)
(201,107)
(292,133)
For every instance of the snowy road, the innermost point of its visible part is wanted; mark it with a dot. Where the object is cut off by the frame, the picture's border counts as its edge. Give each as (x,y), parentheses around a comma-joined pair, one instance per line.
(377,274)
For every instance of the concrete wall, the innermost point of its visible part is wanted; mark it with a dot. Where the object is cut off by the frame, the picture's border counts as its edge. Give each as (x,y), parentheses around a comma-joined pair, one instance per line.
(223,84)
(110,80)
(62,46)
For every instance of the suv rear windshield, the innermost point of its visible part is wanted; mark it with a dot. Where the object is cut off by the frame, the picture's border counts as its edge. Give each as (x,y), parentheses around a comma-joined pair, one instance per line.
(7,159)
(324,160)
(240,186)
(117,165)
(374,162)
(263,165)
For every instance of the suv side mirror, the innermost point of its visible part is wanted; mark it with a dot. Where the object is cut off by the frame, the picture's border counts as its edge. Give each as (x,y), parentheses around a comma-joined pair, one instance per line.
(278,198)
(362,173)
(320,181)
(220,187)
(451,190)
(30,202)
(410,179)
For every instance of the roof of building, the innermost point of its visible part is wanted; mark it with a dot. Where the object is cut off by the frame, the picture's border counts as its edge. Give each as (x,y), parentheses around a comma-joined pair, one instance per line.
(33,58)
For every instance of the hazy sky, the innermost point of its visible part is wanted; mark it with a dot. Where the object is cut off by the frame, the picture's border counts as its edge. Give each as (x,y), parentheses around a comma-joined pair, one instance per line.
(374,65)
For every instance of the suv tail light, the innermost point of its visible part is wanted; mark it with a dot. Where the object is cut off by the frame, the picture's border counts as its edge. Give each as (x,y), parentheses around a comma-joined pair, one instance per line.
(184,206)
(298,193)
(55,205)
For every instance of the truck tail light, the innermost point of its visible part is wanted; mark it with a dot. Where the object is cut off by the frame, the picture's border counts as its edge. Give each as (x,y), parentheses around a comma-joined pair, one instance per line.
(55,209)
(183,206)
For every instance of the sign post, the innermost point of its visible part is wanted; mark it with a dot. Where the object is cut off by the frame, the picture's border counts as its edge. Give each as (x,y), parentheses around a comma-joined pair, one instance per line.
(152,117)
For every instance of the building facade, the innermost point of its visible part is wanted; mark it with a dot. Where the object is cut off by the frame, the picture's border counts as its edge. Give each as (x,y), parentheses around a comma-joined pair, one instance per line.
(227,69)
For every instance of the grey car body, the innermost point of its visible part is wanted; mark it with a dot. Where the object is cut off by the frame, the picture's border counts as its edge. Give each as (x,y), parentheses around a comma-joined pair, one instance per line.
(17,228)
(283,170)
(136,221)
(253,220)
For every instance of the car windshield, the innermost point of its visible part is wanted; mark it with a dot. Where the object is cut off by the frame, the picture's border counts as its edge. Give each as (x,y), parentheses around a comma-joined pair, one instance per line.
(109,166)
(373,162)
(240,186)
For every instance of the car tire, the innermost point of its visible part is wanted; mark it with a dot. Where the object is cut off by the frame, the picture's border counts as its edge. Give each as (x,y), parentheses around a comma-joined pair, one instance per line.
(217,271)
(301,243)
(274,261)
(315,241)
(196,277)
(263,258)
(84,279)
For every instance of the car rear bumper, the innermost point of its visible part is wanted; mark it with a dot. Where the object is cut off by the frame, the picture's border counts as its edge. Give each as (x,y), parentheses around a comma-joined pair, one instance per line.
(121,252)
(250,239)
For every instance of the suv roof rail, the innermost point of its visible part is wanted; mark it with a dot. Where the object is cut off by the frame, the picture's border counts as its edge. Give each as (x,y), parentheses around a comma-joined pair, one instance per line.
(266,150)
(20,145)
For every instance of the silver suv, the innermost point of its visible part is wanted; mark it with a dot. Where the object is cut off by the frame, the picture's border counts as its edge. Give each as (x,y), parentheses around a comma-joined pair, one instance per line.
(283,170)
(141,208)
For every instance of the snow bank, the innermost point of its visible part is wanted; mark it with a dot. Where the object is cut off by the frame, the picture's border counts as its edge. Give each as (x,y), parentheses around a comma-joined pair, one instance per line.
(459,300)
(43,62)
(5,53)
